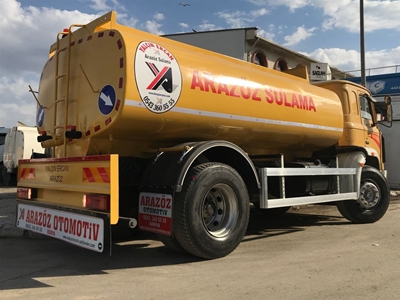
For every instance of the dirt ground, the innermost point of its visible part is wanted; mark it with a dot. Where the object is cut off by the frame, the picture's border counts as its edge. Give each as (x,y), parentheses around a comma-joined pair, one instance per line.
(309,253)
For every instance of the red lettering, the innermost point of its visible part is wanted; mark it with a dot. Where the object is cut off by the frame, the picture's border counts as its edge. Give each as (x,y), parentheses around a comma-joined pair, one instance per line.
(145,46)
(55,223)
(61,222)
(209,82)
(152,202)
(79,228)
(285,100)
(95,229)
(85,227)
(90,230)
(169,203)
(157,202)
(254,96)
(232,92)
(280,100)
(245,95)
(66,225)
(196,81)
(72,226)
(162,202)
(142,201)
(35,221)
(312,105)
(223,87)
(40,219)
(303,102)
(48,221)
(270,97)
(294,101)
(44,221)
(147,200)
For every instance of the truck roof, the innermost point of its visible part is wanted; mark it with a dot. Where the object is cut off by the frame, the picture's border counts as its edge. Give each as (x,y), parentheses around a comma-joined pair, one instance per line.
(4,130)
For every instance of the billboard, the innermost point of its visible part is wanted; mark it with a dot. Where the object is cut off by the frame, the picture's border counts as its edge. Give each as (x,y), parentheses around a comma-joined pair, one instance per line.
(385,84)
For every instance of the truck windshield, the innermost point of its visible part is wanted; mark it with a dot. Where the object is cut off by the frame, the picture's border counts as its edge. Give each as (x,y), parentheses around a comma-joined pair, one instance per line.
(364,108)
(2,139)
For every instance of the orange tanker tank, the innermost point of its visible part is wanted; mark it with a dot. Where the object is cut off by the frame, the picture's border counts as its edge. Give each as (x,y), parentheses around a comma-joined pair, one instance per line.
(115,89)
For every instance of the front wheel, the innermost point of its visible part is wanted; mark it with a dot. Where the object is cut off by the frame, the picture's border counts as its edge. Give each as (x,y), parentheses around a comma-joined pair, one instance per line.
(212,211)
(373,201)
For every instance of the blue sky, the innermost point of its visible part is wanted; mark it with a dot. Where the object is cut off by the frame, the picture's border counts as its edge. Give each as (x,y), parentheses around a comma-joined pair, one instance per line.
(325,30)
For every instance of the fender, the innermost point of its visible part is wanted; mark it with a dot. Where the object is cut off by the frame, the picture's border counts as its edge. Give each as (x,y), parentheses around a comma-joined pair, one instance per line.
(168,170)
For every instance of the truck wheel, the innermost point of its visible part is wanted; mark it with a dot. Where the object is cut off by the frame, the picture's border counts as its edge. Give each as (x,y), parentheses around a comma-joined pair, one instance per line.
(373,202)
(171,243)
(211,213)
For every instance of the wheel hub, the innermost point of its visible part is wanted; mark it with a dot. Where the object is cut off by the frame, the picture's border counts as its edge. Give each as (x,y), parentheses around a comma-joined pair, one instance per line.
(219,210)
(369,195)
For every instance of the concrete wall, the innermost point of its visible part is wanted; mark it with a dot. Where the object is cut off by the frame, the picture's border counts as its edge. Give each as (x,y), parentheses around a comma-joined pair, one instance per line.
(228,42)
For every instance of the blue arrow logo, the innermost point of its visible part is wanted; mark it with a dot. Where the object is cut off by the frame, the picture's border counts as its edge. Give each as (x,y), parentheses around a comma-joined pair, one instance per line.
(40,116)
(106,100)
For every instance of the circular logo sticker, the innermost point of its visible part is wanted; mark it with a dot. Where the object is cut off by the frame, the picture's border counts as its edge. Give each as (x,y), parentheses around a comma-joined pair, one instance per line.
(158,77)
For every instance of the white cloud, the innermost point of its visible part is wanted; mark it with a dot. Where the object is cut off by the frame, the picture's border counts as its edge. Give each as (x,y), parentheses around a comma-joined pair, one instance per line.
(235,19)
(292,4)
(239,19)
(345,14)
(349,60)
(153,27)
(17,104)
(300,35)
(378,14)
(265,34)
(100,5)
(183,25)
(158,17)
(208,26)
(259,12)
(23,51)
(123,18)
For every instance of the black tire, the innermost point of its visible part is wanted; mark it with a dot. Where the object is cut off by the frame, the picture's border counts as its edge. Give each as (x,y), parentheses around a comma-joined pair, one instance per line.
(171,243)
(374,199)
(211,214)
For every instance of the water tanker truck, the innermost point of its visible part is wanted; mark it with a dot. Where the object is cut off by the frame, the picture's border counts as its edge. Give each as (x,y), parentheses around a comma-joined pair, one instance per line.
(150,133)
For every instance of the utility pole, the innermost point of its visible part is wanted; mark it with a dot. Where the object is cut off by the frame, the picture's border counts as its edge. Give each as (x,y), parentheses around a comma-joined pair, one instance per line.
(362,47)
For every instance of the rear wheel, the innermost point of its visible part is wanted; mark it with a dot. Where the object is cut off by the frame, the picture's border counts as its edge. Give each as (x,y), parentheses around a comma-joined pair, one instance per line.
(212,211)
(373,202)
(171,243)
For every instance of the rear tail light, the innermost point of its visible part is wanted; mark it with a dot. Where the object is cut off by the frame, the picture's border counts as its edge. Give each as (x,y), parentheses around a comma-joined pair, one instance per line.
(26,193)
(96,201)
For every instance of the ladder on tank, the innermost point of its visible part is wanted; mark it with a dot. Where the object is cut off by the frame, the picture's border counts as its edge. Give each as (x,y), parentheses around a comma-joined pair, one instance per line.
(59,87)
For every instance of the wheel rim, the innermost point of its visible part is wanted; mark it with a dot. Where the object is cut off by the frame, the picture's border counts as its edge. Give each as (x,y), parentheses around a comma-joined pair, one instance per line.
(369,195)
(220,210)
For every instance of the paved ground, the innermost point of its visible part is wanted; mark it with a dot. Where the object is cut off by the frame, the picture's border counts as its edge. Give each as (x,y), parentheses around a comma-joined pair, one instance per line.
(309,253)
(8,213)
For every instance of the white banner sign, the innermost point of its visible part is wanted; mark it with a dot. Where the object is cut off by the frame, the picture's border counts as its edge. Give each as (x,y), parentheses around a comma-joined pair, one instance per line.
(80,230)
(320,71)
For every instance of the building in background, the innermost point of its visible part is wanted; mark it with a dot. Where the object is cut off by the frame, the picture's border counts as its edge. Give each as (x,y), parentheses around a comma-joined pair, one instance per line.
(245,44)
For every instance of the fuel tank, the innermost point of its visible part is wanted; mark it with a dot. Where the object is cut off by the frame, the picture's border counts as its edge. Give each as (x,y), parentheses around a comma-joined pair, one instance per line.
(130,92)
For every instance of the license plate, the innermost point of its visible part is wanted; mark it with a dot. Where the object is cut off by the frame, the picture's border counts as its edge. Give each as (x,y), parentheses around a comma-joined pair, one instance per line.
(80,230)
